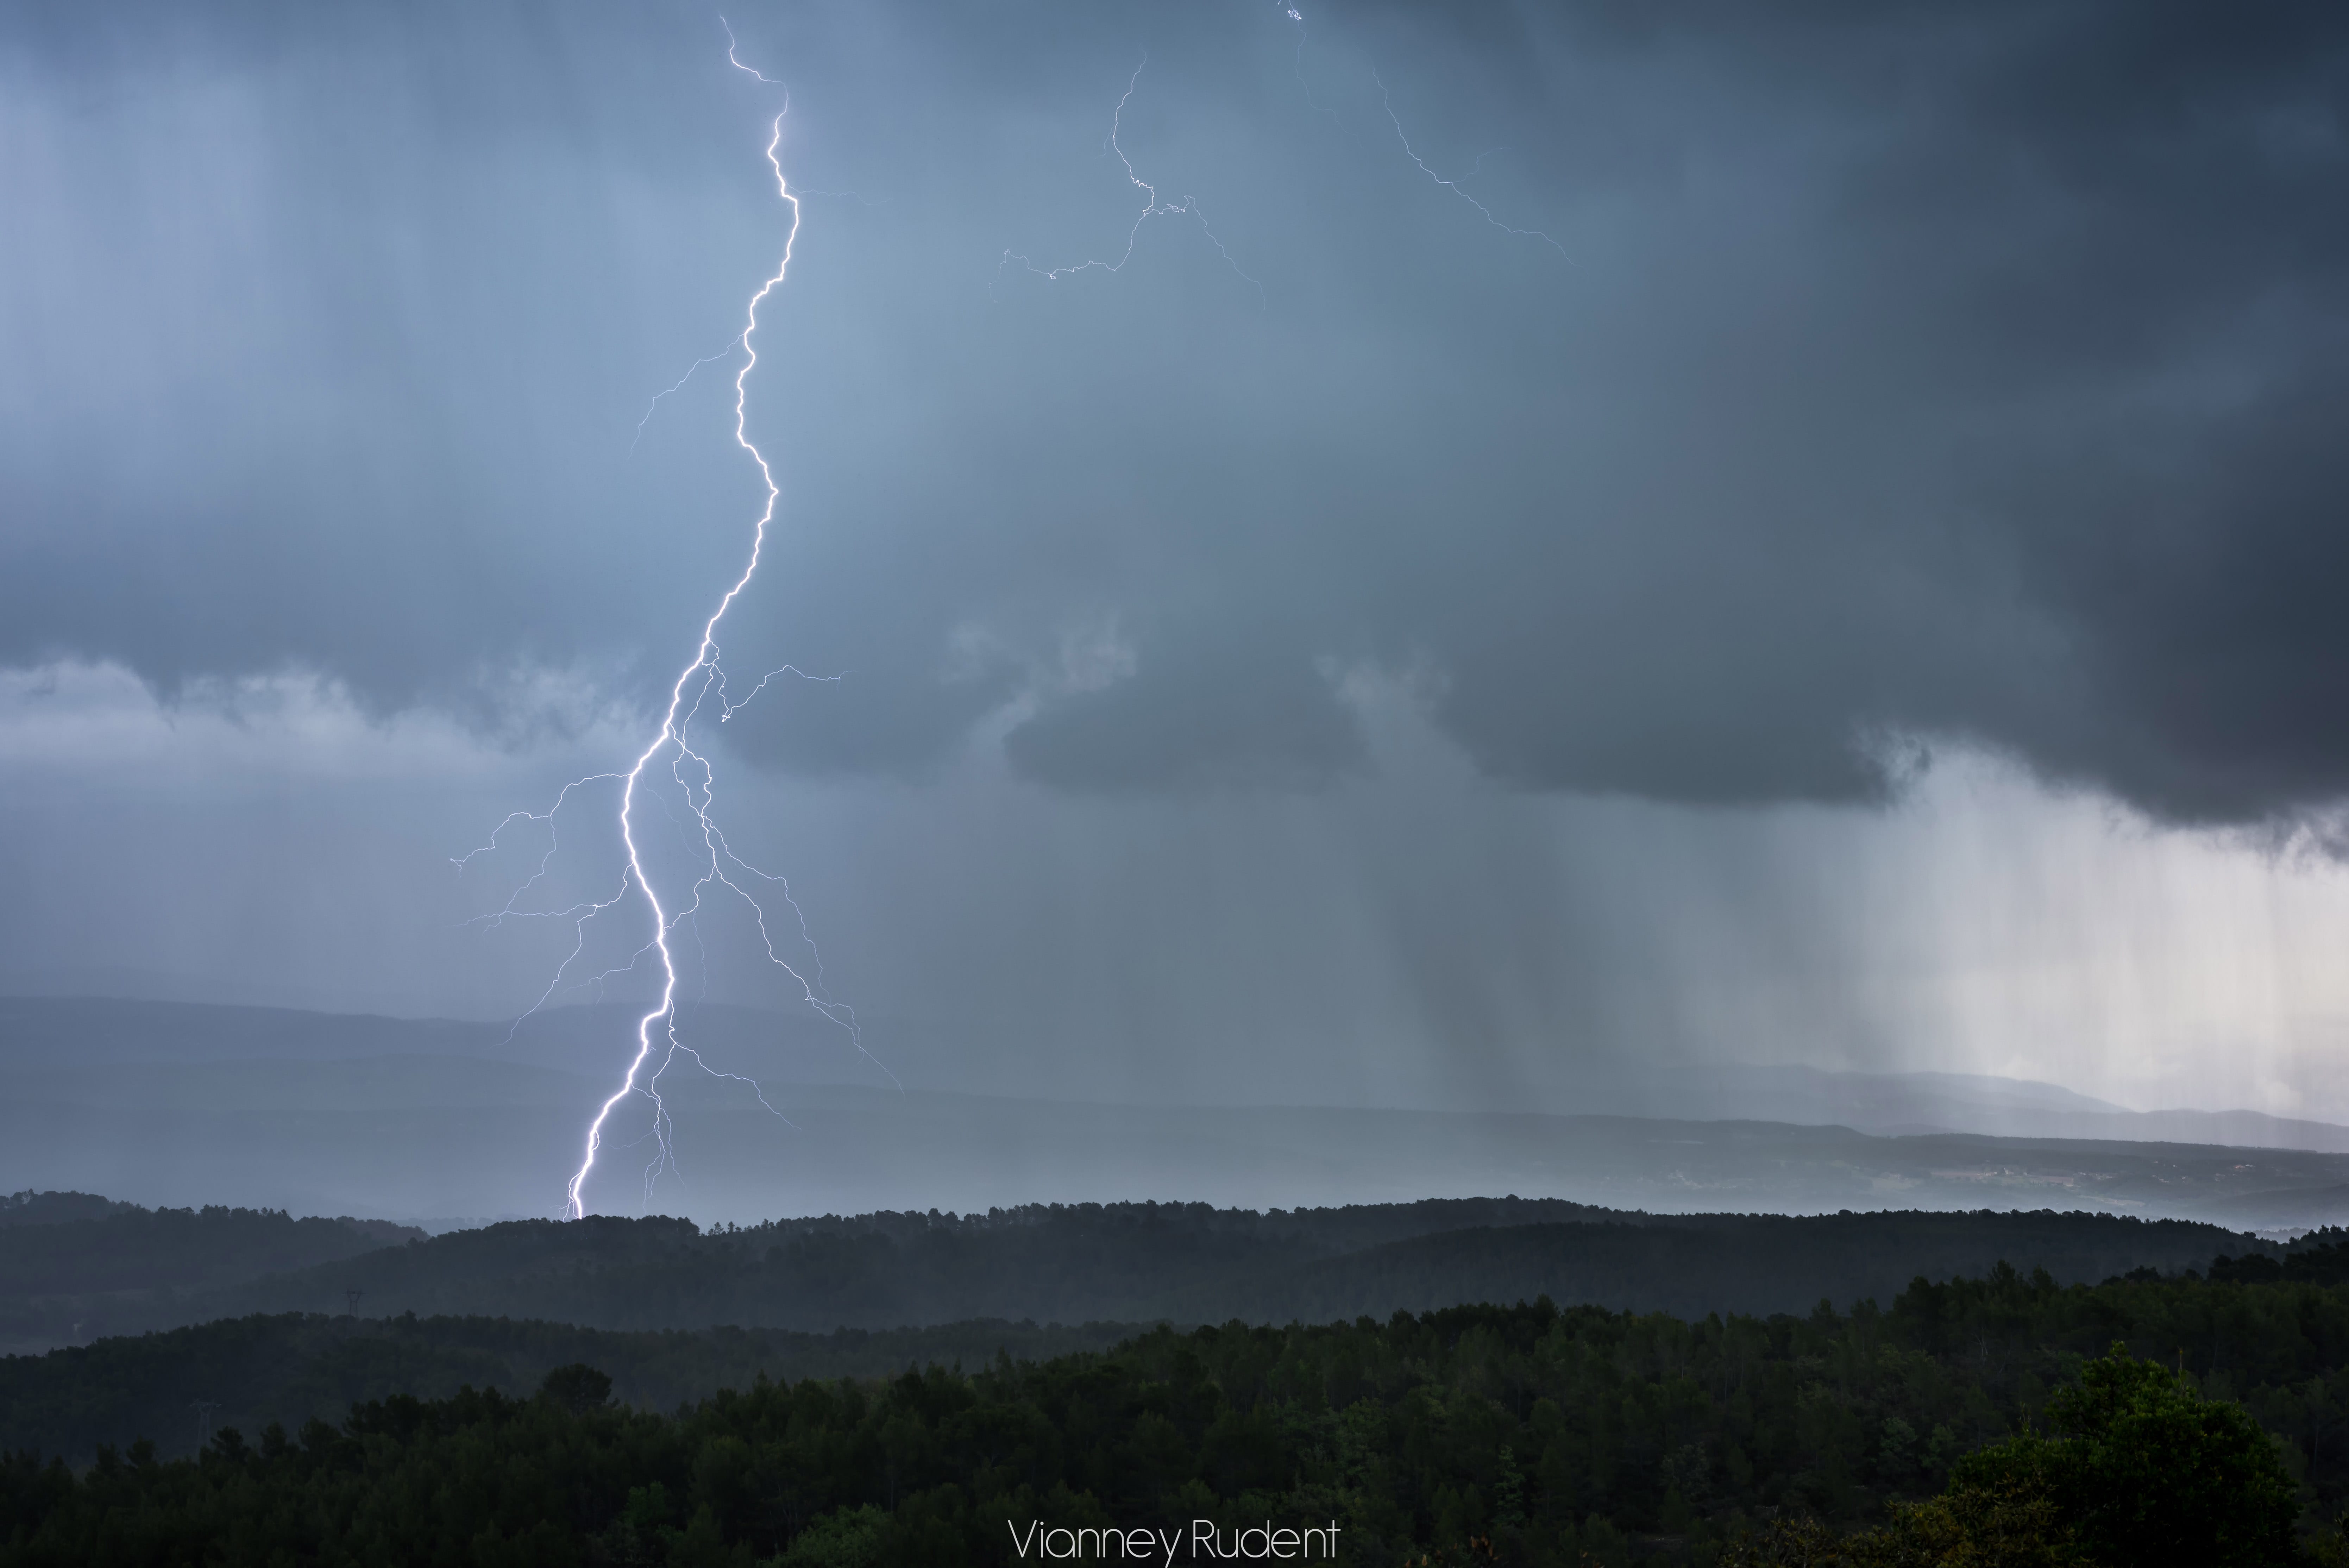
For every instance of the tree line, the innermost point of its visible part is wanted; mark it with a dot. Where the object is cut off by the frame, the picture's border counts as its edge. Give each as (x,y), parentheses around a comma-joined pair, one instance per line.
(1190,1264)
(73,1265)
(292,1367)
(2193,1416)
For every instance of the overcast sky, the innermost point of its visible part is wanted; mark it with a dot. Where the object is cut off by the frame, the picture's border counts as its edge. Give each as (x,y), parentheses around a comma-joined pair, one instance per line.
(1576,535)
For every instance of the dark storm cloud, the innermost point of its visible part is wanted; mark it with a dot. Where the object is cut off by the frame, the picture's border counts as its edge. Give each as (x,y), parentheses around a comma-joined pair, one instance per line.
(1964,370)
(1250,716)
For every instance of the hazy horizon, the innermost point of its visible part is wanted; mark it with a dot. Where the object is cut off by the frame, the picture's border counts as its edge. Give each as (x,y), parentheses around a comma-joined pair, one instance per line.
(1470,552)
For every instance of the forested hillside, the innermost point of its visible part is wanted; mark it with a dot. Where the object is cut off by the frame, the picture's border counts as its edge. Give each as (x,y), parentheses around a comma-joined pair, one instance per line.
(30,1208)
(1524,1434)
(1189,1264)
(292,1368)
(78,1280)
(72,1277)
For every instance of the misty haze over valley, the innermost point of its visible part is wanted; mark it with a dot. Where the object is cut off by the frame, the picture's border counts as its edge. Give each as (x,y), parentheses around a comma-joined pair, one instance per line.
(441,1124)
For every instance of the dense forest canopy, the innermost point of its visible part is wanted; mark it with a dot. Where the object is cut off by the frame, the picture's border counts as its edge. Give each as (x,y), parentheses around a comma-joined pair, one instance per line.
(1183,1263)
(1710,1384)
(292,1368)
(1523,1433)
(73,1266)
(31,1208)
(143,1248)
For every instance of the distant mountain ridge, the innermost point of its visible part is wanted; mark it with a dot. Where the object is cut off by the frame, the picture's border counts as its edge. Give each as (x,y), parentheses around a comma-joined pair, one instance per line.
(1189,1264)
(99,1030)
(291,1367)
(30,1208)
(1898,1103)
(403,1120)
(64,1277)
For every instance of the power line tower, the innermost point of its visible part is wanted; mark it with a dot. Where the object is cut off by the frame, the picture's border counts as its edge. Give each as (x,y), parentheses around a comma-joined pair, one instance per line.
(203,1409)
(351,1300)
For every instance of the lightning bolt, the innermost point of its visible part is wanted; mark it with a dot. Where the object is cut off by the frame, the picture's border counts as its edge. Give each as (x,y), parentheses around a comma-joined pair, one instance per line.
(735,60)
(1298,17)
(679,385)
(1153,207)
(690,771)
(1453,185)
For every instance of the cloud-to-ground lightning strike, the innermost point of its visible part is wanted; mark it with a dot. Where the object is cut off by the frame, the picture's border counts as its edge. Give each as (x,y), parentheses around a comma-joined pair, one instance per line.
(1153,207)
(1453,185)
(702,681)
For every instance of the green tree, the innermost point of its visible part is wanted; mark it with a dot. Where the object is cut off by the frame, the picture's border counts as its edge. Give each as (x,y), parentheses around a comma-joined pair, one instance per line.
(577,1387)
(2143,1471)
(845,1538)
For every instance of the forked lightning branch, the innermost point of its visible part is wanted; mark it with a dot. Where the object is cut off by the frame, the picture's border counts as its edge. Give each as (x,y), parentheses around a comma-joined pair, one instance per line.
(692,778)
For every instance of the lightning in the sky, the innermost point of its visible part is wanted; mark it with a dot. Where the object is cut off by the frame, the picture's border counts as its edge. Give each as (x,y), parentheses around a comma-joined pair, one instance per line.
(1453,185)
(679,385)
(1298,17)
(736,61)
(1153,207)
(692,778)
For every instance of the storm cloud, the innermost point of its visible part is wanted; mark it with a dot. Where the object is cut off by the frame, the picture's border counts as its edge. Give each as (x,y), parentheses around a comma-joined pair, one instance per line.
(1911,372)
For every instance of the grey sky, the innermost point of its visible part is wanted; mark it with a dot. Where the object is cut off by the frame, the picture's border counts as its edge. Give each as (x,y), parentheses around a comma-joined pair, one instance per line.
(1918,380)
